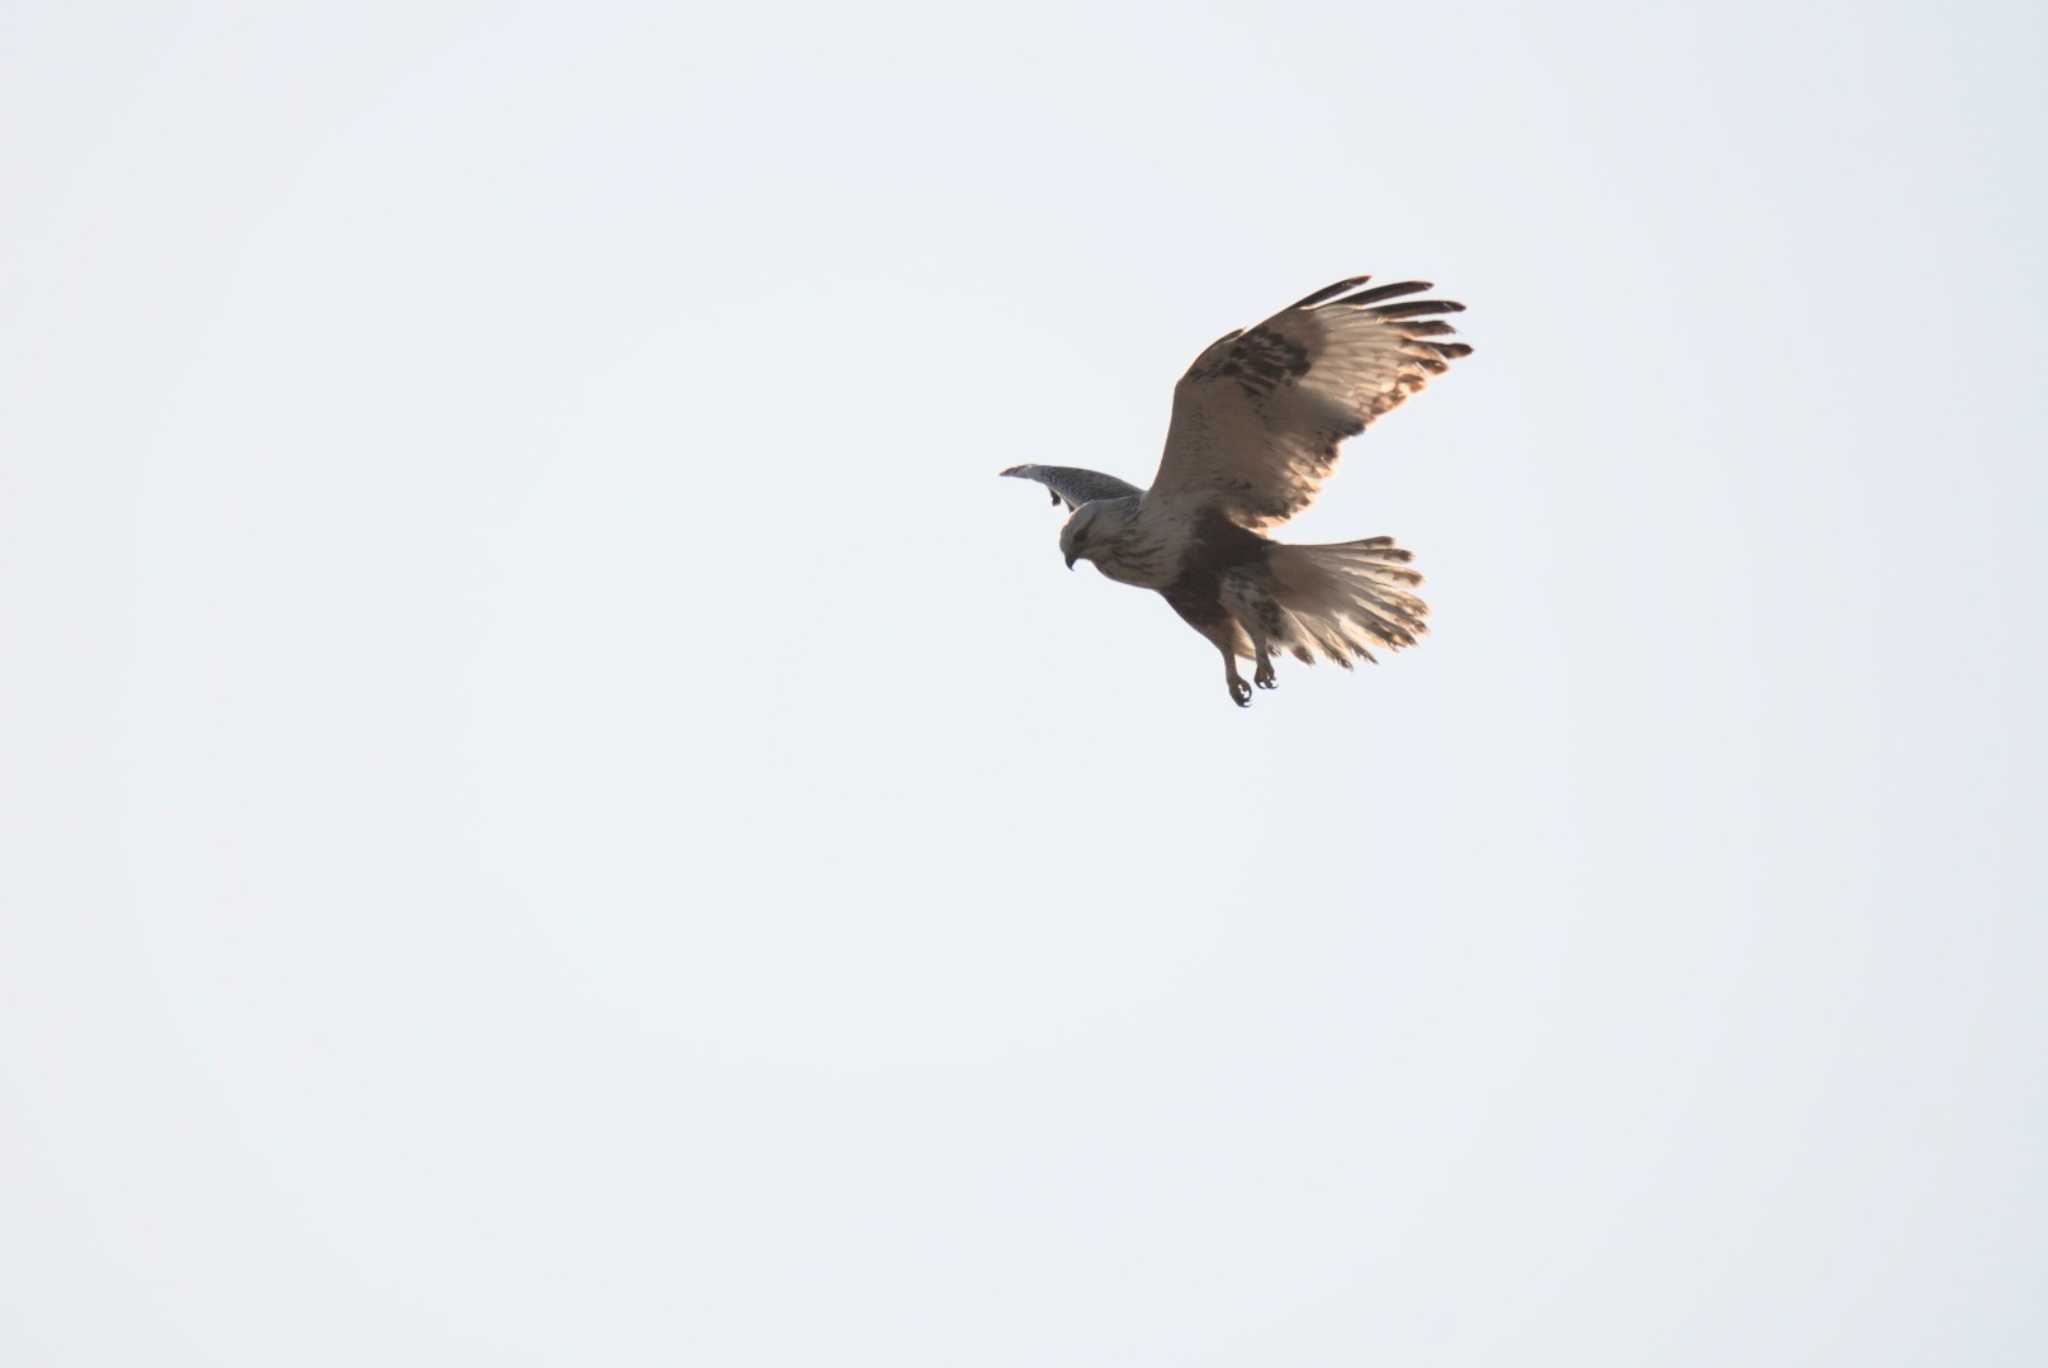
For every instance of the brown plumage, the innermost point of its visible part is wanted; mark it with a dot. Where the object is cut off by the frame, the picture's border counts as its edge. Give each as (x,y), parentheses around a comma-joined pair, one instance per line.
(1257,423)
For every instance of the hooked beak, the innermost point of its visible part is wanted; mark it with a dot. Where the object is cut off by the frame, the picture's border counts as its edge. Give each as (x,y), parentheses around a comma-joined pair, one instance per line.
(1070,561)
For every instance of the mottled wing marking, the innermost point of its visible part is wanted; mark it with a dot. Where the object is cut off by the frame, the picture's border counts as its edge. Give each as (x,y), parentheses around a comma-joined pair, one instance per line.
(1258,418)
(1073,486)
(1259,361)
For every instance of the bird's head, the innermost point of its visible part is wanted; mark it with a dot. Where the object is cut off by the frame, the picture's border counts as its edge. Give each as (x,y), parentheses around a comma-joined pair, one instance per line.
(1076,532)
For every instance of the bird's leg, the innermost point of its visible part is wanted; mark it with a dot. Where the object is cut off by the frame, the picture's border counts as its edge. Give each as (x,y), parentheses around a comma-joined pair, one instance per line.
(1256,618)
(1262,624)
(1240,692)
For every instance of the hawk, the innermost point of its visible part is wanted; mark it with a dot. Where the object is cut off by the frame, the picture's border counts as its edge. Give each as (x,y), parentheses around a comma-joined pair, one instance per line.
(1257,421)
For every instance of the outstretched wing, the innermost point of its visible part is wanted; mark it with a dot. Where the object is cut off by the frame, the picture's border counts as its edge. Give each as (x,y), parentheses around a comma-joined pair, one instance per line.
(1073,486)
(1258,418)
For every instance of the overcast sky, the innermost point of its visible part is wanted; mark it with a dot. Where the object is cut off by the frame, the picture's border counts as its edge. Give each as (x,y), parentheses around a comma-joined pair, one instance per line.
(556,812)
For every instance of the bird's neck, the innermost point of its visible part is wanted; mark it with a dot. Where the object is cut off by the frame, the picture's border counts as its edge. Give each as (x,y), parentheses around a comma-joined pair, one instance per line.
(1134,551)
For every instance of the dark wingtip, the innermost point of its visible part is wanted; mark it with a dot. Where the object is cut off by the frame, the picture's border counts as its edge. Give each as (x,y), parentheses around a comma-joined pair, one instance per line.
(1309,301)
(1380,292)
(1420,308)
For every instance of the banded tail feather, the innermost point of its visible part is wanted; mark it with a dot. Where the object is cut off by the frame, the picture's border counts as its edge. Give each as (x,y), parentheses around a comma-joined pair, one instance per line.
(1345,599)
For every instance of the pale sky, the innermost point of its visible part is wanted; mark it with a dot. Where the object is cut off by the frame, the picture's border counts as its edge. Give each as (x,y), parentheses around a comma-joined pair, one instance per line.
(555,811)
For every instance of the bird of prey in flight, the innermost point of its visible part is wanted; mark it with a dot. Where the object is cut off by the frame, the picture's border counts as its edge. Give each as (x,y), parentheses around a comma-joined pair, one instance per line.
(1257,421)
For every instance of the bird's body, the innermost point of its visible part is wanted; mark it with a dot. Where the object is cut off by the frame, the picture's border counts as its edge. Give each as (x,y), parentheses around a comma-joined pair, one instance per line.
(1256,425)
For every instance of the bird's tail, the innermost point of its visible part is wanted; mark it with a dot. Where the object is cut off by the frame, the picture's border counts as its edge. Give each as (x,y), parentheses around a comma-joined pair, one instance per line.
(1345,599)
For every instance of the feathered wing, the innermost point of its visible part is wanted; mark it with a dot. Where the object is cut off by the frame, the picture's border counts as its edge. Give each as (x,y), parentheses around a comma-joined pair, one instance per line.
(1258,418)
(1073,486)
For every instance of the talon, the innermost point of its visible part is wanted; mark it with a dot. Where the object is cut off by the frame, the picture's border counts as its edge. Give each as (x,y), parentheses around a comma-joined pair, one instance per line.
(1241,693)
(1265,678)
